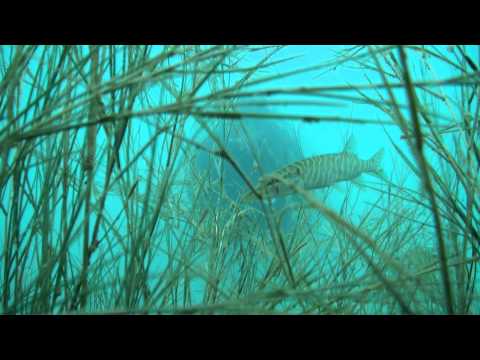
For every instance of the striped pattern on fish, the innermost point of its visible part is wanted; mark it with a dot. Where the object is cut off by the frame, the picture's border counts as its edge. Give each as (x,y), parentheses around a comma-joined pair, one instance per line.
(317,172)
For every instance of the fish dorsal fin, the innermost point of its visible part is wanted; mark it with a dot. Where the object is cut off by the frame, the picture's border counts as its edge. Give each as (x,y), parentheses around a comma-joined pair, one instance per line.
(349,146)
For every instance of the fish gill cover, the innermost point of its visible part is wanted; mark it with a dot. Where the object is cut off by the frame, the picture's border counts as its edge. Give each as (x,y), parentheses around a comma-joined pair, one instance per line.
(124,170)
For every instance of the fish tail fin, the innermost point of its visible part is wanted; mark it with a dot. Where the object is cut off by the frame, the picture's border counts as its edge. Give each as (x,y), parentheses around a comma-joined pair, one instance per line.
(376,163)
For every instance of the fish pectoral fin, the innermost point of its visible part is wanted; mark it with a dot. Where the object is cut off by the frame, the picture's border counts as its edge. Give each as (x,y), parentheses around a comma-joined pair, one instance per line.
(247,197)
(358,182)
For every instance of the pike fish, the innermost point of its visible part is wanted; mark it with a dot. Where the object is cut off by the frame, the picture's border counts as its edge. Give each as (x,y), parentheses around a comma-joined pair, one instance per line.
(317,172)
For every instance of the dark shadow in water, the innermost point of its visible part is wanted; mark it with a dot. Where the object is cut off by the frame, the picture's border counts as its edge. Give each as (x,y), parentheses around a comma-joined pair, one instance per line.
(258,146)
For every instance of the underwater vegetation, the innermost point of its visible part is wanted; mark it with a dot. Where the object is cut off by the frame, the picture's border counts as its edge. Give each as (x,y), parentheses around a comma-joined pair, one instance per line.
(178,180)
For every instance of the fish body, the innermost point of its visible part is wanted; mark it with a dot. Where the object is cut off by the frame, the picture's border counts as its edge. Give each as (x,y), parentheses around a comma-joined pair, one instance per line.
(317,172)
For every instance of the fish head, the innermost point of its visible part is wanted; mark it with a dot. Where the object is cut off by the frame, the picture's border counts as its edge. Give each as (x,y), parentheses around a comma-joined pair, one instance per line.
(270,186)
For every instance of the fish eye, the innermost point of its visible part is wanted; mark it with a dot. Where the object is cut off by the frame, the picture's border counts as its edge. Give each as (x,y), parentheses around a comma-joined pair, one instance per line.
(272,182)
(274,189)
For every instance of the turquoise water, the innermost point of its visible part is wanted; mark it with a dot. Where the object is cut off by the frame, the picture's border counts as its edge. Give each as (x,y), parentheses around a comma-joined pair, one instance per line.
(195,239)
